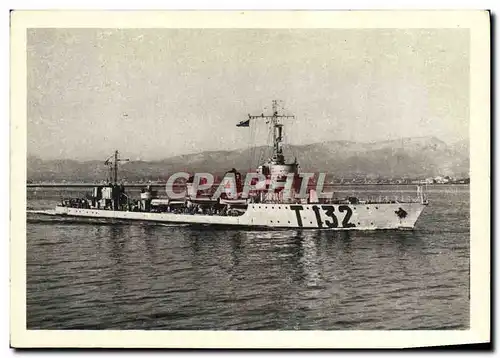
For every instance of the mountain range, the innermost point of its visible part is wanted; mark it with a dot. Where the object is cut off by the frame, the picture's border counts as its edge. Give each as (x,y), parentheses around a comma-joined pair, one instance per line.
(419,157)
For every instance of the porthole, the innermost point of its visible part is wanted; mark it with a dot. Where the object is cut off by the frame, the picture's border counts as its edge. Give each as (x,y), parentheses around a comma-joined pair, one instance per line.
(278,221)
(359,224)
(376,207)
(289,222)
(310,222)
(367,208)
(272,207)
(371,223)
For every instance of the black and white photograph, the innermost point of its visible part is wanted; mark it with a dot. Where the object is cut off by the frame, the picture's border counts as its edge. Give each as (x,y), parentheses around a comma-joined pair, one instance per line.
(225,177)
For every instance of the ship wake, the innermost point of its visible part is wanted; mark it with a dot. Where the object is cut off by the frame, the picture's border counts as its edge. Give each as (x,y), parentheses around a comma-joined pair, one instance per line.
(42,212)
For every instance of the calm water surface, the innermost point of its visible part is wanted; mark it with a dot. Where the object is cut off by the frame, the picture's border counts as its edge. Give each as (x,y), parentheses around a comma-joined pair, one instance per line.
(101,275)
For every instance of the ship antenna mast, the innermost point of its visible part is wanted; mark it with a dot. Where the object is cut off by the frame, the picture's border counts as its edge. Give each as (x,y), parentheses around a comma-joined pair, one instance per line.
(276,124)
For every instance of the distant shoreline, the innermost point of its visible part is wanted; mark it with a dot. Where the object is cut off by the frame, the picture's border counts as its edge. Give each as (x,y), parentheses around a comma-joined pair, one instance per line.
(141,185)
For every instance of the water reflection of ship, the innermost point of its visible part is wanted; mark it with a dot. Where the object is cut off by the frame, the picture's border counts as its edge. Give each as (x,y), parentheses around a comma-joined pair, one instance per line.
(151,236)
(117,249)
(296,255)
(116,266)
(295,251)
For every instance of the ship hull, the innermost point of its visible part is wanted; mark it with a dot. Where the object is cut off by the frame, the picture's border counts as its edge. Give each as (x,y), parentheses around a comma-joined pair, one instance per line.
(382,216)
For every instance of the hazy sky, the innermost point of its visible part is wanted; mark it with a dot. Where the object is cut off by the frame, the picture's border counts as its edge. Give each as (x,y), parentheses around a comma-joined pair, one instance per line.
(155,93)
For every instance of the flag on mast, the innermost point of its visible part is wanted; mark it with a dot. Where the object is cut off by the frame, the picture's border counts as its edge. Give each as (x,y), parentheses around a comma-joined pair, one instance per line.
(245,123)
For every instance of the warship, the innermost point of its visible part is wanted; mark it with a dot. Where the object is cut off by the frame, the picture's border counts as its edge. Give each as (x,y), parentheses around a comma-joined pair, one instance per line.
(275,195)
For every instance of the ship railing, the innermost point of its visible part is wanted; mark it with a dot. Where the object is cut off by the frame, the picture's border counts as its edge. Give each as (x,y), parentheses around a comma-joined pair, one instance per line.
(362,197)
(380,199)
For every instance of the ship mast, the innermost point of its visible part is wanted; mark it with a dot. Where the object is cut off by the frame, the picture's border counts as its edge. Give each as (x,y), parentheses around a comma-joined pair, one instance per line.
(275,122)
(112,162)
